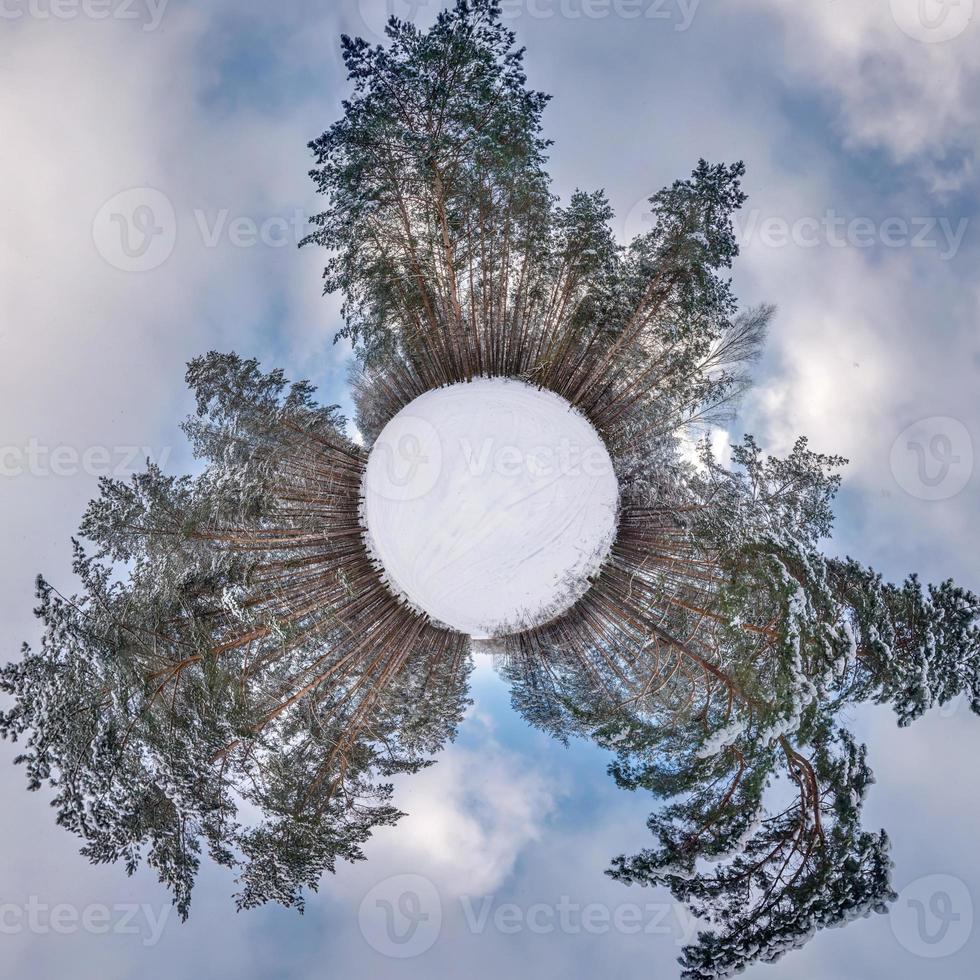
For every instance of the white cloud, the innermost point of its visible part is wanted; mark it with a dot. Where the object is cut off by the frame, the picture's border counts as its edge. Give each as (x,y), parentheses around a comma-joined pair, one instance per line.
(916,100)
(94,357)
(470,816)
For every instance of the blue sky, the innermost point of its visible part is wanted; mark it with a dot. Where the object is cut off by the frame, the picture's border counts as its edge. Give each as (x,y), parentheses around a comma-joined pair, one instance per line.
(859,123)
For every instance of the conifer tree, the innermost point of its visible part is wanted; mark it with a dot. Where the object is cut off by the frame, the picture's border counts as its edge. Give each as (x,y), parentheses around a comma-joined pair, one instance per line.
(233,642)
(234,648)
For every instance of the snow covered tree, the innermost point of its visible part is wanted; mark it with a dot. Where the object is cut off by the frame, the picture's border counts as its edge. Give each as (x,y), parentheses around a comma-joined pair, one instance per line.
(776,866)
(233,643)
(747,642)
(915,648)
(455,259)
(236,646)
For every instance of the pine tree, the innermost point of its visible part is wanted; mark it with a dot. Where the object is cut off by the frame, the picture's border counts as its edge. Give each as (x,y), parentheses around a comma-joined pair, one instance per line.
(233,642)
(234,649)
(746,643)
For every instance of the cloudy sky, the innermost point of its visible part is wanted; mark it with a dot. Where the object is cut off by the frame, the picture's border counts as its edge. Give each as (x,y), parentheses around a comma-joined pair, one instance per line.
(152,188)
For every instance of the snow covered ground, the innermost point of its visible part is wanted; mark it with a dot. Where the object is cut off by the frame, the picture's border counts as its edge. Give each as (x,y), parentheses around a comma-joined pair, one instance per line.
(489,504)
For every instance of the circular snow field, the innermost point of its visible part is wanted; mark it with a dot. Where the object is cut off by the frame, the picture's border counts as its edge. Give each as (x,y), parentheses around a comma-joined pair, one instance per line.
(489,505)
